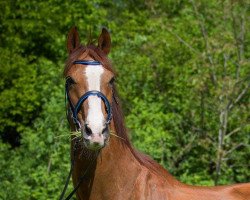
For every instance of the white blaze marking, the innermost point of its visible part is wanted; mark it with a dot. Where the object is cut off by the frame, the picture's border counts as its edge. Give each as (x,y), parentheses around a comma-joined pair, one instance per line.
(95,116)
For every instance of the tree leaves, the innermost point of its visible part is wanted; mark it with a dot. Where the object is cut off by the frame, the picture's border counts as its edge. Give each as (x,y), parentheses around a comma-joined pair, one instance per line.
(180,66)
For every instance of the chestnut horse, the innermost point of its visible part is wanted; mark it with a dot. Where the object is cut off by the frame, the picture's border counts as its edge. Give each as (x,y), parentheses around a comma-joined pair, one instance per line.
(108,167)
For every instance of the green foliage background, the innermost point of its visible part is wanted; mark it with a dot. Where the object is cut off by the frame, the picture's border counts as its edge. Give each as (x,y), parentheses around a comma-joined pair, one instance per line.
(181,65)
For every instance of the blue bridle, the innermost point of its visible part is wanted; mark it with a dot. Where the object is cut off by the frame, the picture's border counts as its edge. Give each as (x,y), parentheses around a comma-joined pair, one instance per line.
(75,109)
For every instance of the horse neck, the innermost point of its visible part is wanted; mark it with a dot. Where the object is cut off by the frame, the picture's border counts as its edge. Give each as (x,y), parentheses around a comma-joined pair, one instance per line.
(114,156)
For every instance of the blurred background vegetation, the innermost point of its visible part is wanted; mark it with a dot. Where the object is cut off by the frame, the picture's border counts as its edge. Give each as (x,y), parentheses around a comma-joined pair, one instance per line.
(183,76)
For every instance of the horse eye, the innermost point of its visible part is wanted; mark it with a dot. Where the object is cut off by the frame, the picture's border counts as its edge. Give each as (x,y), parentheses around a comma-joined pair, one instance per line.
(111,82)
(70,81)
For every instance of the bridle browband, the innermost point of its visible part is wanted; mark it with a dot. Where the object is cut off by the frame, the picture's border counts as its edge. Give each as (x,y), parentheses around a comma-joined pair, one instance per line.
(75,109)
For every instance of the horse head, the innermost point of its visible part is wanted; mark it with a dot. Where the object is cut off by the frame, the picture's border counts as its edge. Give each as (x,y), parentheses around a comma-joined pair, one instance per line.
(89,88)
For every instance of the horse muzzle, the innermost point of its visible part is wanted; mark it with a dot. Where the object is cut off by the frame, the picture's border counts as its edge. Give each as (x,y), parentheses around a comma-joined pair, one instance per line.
(95,141)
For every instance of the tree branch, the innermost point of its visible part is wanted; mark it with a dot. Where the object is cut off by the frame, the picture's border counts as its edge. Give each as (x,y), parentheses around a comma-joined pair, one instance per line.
(207,46)
(234,148)
(232,103)
(232,132)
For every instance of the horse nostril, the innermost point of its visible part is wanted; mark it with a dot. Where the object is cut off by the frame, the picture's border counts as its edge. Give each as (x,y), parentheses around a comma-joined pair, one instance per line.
(105,130)
(87,130)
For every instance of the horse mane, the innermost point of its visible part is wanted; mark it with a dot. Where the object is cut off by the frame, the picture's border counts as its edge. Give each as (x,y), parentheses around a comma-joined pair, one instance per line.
(122,132)
(118,117)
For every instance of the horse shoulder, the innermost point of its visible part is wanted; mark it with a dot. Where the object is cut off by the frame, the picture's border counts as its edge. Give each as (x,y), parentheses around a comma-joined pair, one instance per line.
(240,191)
(149,186)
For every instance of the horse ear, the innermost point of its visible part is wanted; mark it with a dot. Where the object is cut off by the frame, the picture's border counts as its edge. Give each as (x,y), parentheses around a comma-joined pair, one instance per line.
(73,40)
(104,41)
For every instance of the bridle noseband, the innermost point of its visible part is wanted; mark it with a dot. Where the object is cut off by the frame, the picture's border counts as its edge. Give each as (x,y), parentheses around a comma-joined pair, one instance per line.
(75,109)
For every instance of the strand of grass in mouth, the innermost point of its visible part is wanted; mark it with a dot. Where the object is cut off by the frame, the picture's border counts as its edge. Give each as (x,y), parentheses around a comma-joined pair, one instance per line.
(113,133)
(75,134)
(78,134)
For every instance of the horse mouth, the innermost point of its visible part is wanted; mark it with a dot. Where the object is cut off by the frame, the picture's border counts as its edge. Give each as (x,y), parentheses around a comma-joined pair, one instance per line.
(94,145)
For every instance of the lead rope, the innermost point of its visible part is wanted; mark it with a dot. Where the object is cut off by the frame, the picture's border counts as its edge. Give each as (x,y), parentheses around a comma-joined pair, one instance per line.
(80,180)
(70,171)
